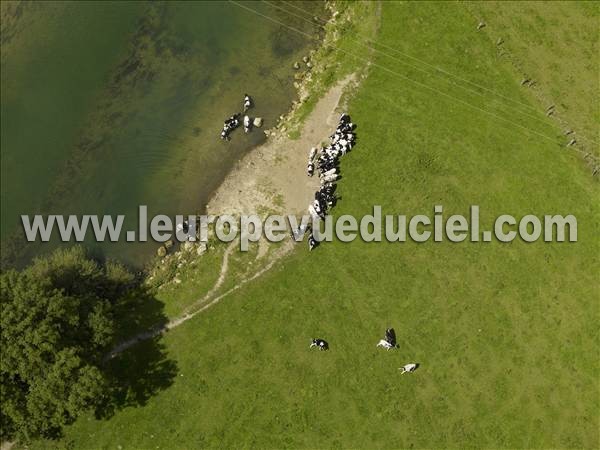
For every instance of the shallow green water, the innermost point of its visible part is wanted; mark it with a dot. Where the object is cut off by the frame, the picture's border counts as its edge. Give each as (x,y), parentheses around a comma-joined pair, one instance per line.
(106,106)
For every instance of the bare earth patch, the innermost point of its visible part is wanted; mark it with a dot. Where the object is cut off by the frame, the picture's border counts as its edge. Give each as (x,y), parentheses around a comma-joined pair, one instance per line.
(273,176)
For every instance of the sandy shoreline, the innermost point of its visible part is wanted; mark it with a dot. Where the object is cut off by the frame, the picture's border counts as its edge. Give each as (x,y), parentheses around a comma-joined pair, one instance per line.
(272,177)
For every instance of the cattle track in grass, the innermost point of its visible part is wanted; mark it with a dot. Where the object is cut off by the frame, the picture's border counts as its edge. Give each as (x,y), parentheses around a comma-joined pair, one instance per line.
(159,329)
(203,303)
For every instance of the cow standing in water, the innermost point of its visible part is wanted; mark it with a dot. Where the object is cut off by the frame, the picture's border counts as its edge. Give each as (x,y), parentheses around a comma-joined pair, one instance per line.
(321,343)
(247,124)
(230,124)
(247,102)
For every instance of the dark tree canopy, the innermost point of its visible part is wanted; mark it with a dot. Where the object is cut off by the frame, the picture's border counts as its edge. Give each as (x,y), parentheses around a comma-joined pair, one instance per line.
(57,324)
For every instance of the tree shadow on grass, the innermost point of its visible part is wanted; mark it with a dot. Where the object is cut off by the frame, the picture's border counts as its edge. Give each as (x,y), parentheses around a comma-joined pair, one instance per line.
(143,370)
(138,374)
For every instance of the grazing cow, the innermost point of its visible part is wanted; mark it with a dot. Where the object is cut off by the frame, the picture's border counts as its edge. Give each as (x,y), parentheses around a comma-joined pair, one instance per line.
(247,102)
(313,212)
(320,343)
(389,341)
(408,368)
(310,169)
(298,233)
(390,336)
(312,243)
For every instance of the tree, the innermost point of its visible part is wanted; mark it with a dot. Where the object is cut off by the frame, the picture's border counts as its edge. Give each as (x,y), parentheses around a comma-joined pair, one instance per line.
(57,325)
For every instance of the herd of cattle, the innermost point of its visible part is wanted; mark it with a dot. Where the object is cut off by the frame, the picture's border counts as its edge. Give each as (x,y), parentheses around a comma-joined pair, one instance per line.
(388,342)
(327,164)
(234,121)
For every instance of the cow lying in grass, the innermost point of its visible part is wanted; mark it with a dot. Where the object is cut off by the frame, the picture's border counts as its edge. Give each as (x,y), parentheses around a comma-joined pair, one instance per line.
(385,344)
(389,341)
(321,343)
(408,368)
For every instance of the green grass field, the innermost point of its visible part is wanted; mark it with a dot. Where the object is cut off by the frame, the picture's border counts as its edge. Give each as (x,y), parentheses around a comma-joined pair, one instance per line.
(506,334)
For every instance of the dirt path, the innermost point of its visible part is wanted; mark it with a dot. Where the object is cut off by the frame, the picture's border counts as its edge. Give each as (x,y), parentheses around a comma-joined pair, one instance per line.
(190,311)
(284,250)
(273,177)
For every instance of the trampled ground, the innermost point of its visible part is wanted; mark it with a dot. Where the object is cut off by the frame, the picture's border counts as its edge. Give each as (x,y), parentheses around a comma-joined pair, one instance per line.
(506,334)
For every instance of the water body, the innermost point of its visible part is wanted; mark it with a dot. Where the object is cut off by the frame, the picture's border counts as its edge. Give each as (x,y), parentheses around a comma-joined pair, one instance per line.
(106,106)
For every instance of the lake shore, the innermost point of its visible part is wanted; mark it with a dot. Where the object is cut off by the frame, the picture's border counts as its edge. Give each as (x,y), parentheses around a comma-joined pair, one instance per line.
(148,112)
(272,177)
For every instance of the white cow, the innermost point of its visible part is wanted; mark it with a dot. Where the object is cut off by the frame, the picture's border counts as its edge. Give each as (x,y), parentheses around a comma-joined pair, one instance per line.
(385,344)
(330,178)
(408,368)
(329,172)
(247,102)
(313,213)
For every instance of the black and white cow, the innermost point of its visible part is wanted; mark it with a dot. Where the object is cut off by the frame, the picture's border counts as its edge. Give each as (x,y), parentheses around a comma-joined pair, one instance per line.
(390,336)
(320,343)
(327,166)
(312,243)
(247,124)
(247,102)
(408,368)
(389,341)
(230,124)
